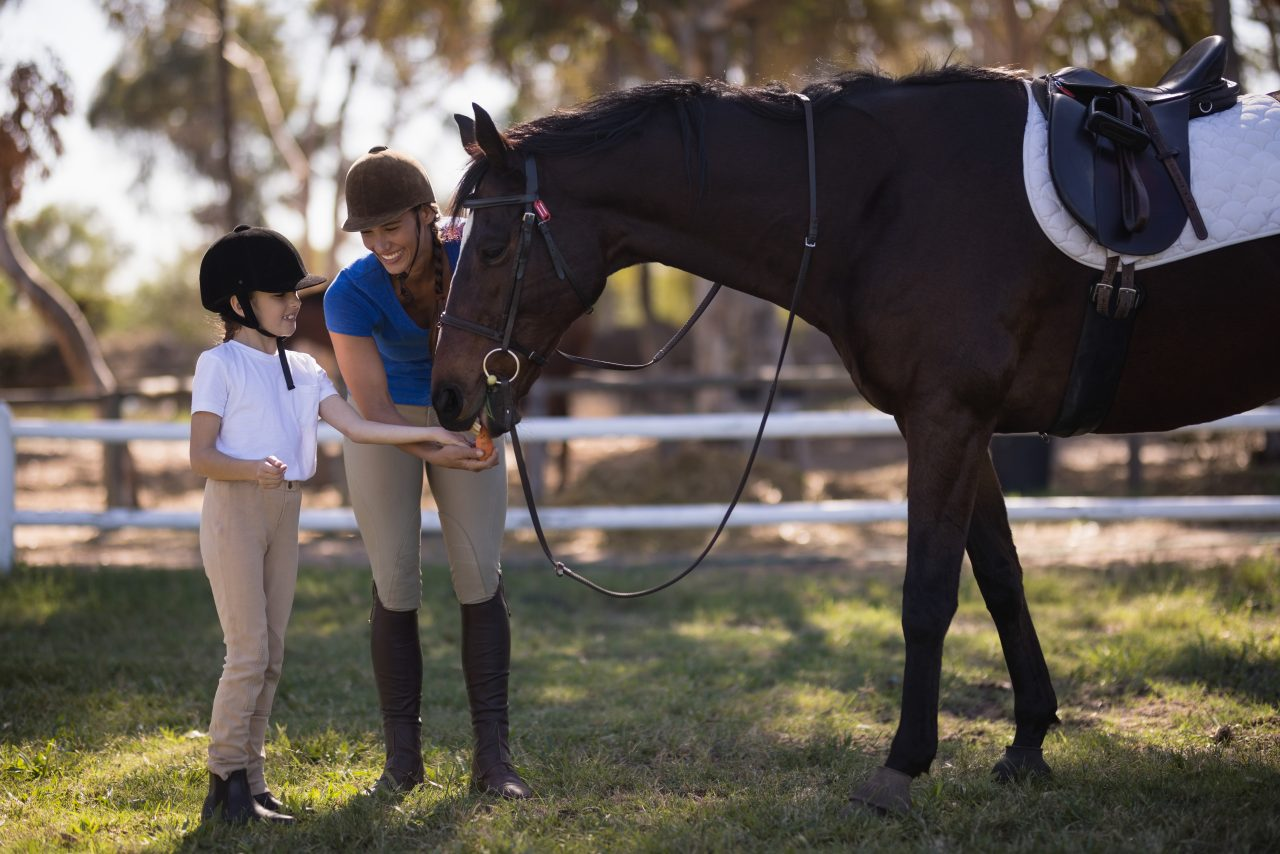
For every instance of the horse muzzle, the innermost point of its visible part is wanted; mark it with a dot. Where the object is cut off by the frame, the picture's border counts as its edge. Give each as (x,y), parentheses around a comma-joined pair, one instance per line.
(497,409)
(448,401)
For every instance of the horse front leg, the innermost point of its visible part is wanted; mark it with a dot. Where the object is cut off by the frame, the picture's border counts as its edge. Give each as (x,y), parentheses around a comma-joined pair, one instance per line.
(946,450)
(999,574)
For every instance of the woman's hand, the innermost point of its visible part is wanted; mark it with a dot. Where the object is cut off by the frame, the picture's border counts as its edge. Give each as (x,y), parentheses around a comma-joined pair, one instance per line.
(462,457)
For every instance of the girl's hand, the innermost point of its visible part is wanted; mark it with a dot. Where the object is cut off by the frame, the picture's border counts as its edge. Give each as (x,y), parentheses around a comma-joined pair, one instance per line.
(271,473)
(441,436)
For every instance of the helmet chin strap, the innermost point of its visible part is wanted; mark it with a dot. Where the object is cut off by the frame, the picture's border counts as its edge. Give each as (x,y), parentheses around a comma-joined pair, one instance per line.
(250,320)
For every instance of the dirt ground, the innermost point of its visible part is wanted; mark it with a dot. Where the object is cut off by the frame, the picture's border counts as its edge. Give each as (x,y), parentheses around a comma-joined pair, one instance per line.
(61,474)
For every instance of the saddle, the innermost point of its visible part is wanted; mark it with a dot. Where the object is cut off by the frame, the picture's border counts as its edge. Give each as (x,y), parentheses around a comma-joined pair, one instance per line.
(1119,155)
(1120,160)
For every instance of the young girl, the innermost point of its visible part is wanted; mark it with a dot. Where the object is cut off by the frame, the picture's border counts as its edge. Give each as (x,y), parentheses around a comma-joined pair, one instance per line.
(254,409)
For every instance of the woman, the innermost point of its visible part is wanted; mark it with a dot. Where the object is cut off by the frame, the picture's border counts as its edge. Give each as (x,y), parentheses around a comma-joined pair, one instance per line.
(382,312)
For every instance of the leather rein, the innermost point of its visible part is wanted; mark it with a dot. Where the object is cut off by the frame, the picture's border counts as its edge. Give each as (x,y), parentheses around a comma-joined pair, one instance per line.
(498,389)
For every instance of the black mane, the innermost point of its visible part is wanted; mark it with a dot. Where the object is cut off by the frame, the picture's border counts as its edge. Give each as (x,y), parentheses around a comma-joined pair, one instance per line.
(607,119)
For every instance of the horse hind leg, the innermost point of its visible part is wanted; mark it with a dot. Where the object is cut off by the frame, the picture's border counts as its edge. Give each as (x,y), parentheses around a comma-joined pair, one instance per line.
(999,575)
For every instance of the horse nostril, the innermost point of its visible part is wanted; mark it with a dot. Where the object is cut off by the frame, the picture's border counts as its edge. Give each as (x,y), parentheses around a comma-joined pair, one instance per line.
(447,402)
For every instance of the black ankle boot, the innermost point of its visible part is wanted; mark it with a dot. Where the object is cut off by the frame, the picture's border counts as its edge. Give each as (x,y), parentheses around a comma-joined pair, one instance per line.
(270,801)
(397,670)
(230,800)
(486,663)
(214,801)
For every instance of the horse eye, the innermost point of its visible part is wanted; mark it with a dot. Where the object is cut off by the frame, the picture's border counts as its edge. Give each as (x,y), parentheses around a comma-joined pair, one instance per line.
(492,254)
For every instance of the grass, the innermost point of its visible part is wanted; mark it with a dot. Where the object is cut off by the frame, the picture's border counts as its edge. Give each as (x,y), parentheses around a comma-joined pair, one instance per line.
(734,712)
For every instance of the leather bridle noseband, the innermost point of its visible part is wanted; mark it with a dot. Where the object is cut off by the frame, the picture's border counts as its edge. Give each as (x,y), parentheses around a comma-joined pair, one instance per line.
(536,212)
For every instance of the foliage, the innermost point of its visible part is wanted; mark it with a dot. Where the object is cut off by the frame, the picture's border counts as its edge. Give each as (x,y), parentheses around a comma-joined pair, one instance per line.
(287,120)
(168,302)
(582,48)
(36,99)
(163,91)
(733,712)
(78,251)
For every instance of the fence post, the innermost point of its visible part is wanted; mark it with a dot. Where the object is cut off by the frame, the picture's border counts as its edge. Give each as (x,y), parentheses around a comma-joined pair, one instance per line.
(8,474)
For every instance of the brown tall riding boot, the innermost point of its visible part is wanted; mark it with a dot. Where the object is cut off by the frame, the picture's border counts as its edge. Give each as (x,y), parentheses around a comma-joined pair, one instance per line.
(486,663)
(397,670)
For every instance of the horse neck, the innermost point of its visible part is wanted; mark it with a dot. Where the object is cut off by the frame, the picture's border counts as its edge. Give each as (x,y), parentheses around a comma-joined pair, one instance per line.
(744,228)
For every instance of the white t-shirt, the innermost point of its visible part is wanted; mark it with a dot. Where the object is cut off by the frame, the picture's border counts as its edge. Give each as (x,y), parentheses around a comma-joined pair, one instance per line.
(260,416)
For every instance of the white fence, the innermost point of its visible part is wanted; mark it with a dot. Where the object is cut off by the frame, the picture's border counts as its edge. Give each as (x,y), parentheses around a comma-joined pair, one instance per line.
(724,426)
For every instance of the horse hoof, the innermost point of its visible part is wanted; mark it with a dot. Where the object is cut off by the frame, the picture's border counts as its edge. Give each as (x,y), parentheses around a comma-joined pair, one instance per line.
(1021,763)
(888,792)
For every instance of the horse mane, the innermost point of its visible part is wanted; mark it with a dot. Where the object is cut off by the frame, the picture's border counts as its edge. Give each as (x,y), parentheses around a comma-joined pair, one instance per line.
(607,119)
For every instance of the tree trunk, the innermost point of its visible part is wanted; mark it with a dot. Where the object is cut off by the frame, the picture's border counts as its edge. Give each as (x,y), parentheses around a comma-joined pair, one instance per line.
(231,212)
(80,351)
(1222,26)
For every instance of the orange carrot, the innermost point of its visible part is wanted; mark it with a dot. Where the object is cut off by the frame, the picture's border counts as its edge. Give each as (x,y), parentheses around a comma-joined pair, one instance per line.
(484,441)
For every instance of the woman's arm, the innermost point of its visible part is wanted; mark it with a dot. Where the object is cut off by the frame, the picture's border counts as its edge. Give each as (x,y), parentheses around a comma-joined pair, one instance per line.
(208,461)
(360,364)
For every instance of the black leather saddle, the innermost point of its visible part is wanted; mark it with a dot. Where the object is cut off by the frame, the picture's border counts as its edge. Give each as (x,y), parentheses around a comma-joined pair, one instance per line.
(1119,155)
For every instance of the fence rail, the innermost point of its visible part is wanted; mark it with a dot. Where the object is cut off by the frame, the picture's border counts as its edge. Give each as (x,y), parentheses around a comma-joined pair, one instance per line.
(667,427)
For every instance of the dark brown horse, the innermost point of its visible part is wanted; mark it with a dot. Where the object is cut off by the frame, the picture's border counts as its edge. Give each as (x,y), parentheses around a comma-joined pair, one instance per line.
(945,300)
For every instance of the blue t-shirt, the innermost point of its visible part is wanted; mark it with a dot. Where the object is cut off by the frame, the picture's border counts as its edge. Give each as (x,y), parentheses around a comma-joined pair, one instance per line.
(362,302)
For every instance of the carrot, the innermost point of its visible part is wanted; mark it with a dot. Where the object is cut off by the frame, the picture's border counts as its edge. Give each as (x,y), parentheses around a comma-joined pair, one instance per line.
(484,441)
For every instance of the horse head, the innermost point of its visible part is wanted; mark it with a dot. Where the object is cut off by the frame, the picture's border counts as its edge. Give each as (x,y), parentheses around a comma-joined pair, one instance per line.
(515,289)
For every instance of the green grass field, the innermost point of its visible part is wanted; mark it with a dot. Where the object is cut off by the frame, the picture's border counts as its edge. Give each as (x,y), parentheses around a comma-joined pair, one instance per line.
(733,712)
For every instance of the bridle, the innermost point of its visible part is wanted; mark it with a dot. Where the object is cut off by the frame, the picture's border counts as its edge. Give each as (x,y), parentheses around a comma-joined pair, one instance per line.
(535,212)
(498,389)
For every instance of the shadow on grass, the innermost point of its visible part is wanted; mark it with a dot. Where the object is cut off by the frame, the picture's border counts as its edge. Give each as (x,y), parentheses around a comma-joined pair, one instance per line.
(737,710)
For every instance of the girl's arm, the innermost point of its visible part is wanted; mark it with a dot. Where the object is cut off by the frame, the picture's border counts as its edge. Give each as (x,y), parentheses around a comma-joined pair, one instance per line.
(208,461)
(361,367)
(348,422)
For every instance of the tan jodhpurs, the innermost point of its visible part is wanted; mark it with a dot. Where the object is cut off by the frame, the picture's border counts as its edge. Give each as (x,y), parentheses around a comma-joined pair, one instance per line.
(249,543)
(385,485)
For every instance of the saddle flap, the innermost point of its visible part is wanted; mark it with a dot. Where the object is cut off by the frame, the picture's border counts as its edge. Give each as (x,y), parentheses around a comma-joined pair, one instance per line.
(1168,214)
(1087,172)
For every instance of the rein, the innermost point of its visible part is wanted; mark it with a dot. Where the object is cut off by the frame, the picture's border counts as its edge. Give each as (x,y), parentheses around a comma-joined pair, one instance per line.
(499,390)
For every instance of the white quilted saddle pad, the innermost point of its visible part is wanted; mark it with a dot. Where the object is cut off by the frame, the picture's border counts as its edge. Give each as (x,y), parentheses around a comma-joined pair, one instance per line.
(1235,178)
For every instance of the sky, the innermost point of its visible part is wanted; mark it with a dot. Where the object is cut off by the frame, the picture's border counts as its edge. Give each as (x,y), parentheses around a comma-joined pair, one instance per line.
(97,170)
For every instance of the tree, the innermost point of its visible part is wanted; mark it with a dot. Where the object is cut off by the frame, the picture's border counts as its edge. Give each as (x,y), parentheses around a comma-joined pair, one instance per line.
(279,131)
(575,48)
(37,100)
(78,251)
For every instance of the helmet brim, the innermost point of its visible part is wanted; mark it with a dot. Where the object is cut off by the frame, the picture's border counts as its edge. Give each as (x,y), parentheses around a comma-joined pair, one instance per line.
(363,223)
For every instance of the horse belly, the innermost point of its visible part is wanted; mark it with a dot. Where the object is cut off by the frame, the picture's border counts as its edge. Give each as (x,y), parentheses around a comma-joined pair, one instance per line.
(1204,342)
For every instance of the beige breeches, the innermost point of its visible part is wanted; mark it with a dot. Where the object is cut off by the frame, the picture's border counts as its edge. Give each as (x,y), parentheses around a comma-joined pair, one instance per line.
(249,544)
(386,492)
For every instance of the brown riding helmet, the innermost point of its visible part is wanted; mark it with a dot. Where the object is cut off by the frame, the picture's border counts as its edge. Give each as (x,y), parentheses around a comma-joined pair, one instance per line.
(383,184)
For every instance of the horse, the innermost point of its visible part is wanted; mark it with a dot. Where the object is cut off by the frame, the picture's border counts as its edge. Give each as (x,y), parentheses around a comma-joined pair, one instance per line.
(947,302)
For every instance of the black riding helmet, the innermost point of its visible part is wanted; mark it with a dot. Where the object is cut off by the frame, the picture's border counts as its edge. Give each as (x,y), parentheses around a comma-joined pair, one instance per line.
(248,259)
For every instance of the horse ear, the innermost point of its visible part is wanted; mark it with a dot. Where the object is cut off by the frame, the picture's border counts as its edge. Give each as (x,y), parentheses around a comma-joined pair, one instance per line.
(491,142)
(466,130)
